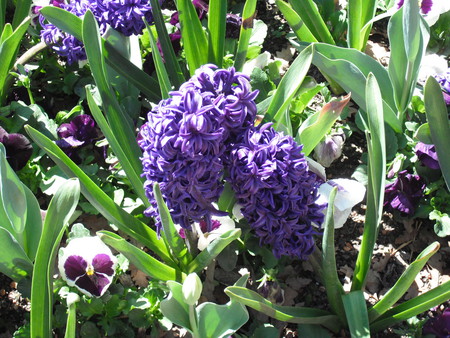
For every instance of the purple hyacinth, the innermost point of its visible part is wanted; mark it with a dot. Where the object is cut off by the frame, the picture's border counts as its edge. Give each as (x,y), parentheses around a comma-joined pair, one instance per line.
(185,140)
(125,16)
(88,264)
(270,176)
(404,193)
(18,149)
(438,326)
(80,131)
(426,153)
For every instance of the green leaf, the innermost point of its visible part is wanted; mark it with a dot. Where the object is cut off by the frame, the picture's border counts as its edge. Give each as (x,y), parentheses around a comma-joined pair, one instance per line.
(319,124)
(329,272)
(21,11)
(161,71)
(403,283)
(217,17)
(174,307)
(221,320)
(300,315)
(14,262)
(310,15)
(125,146)
(192,36)
(437,117)
(71,24)
(360,12)
(60,210)
(356,312)
(408,37)
(176,243)
(172,66)
(413,307)
(376,176)
(212,250)
(350,68)
(9,47)
(278,109)
(295,22)
(101,201)
(245,33)
(143,261)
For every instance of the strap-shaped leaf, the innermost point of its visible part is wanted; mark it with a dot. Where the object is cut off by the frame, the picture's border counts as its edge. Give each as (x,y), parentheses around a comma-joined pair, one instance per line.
(356,312)
(125,146)
(143,261)
(245,33)
(192,35)
(403,283)
(360,12)
(21,11)
(295,22)
(377,175)
(289,85)
(217,16)
(101,201)
(59,211)
(412,307)
(299,315)
(14,262)
(438,122)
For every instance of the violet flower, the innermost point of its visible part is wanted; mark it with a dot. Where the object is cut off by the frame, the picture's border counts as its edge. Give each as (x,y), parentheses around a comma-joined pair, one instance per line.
(444,81)
(88,264)
(18,149)
(185,139)
(425,5)
(426,153)
(276,190)
(233,26)
(438,326)
(79,132)
(404,193)
(330,149)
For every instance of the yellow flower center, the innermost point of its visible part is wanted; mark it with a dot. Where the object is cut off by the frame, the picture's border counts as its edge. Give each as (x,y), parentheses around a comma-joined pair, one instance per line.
(90,270)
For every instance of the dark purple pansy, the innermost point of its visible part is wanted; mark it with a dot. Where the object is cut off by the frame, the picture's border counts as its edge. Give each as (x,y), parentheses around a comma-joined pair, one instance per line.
(444,81)
(439,326)
(404,193)
(233,26)
(18,149)
(79,132)
(276,190)
(88,264)
(426,153)
(185,142)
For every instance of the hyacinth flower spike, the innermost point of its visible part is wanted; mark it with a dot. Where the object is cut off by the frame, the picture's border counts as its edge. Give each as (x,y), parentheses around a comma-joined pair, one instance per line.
(88,264)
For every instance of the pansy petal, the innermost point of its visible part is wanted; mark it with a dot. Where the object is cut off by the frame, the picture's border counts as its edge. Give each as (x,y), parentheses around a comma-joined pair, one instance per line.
(102,263)
(74,267)
(94,285)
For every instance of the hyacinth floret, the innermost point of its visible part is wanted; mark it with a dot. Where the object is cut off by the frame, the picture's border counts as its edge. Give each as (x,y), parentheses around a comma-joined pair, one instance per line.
(185,142)
(272,182)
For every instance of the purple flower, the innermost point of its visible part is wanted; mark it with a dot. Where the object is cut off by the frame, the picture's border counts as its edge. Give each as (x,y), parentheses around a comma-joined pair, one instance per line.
(439,326)
(278,193)
(404,193)
(88,264)
(444,81)
(185,140)
(80,131)
(426,153)
(18,149)
(200,6)
(425,5)
(330,149)
(233,26)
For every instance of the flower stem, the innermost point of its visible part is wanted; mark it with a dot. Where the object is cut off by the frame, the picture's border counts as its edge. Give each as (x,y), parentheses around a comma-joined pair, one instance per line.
(193,321)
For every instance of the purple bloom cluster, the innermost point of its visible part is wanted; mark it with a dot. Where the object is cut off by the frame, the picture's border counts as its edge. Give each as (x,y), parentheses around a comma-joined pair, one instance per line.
(184,142)
(270,176)
(125,16)
(438,326)
(404,193)
(204,135)
(426,153)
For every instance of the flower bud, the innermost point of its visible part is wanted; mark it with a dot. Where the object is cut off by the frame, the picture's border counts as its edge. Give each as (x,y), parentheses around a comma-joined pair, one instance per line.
(330,149)
(192,289)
